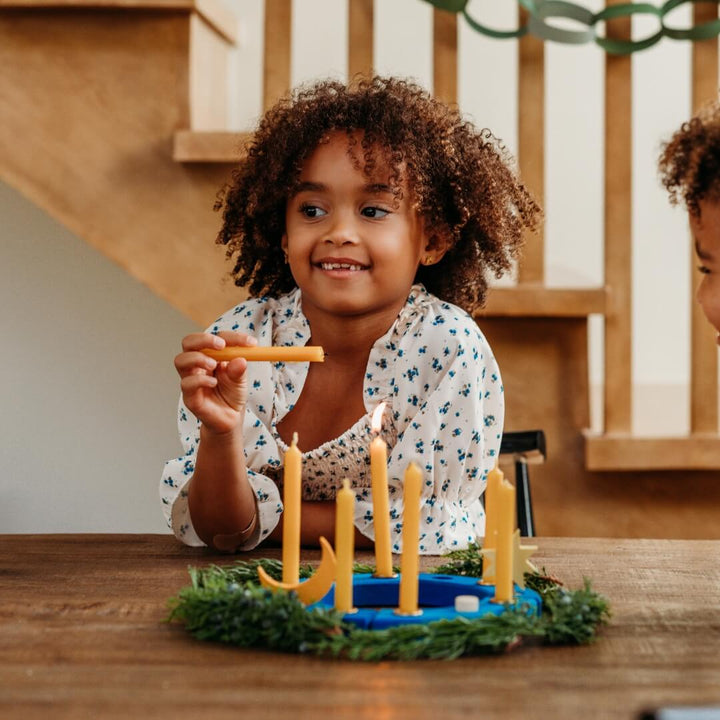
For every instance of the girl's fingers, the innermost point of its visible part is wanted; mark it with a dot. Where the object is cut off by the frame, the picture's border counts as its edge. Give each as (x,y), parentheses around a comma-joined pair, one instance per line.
(232,387)
(235,369)
(192,383)
(200,373)
(189,362)
(198,341)
(192,356)
(235,338)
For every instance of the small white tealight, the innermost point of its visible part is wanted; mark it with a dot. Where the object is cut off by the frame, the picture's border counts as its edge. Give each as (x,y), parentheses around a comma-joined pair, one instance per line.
(467,603)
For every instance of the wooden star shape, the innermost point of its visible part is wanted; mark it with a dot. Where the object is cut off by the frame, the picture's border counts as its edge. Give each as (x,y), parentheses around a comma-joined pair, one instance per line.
(521,562)
(488,577)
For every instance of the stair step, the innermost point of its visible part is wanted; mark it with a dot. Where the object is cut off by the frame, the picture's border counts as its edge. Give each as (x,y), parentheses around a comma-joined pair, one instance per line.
(625,451)
(190,146)
(534,300)
(214,12)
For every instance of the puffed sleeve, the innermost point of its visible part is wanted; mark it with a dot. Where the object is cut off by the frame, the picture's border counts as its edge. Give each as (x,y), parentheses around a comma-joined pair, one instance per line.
(448,406)
(261,452)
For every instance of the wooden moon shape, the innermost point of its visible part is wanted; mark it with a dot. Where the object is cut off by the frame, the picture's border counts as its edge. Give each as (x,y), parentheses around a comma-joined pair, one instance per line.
(314,588)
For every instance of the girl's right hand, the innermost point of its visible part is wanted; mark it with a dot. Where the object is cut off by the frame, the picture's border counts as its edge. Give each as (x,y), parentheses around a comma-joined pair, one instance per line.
(215,392)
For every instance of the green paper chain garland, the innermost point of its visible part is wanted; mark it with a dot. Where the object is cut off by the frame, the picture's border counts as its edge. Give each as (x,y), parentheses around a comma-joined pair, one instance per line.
(226,604)
(542,11)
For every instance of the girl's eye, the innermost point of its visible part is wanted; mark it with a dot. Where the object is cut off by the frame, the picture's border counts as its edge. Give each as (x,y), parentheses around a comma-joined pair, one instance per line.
(704,270)
(312,211)
(374,212)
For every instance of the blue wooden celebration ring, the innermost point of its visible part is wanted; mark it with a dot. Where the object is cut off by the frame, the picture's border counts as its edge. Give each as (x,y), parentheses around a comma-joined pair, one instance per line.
(376,600)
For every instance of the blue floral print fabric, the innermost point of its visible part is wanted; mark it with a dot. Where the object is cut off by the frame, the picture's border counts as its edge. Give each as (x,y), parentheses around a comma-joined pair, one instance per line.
(445,406)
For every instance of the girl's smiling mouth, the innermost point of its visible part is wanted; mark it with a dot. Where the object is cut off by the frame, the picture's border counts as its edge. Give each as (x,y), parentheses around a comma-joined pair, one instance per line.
(340,265)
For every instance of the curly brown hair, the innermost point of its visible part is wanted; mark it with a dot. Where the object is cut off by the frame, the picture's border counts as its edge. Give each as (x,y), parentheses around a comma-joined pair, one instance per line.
(690,161)
(461,180)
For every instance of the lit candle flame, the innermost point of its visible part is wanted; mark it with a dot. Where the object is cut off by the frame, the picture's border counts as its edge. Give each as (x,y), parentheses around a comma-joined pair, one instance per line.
(376,422)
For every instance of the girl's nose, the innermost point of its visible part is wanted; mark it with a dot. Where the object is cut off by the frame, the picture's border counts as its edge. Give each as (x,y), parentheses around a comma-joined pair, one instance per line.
(343,230)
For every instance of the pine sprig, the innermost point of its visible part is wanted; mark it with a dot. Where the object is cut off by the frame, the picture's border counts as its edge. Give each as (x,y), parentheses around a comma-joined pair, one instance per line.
(541,582)
(369,569)
(441,640)
(462,562)
(572,617)
(251,616)
(240,572)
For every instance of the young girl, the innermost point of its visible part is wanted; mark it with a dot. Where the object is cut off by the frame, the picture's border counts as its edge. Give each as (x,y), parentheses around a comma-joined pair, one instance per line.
(690,170)
(359,215)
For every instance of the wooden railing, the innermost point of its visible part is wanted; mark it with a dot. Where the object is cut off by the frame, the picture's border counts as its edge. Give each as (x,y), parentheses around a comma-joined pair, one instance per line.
(704,365)
(615,448)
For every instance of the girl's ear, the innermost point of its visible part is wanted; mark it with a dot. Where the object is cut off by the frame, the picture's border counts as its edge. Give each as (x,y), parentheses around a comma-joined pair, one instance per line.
(437,245)
(284,246)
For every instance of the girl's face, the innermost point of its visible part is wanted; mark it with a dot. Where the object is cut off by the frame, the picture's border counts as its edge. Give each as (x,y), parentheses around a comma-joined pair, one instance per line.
(706,230)
(351,250)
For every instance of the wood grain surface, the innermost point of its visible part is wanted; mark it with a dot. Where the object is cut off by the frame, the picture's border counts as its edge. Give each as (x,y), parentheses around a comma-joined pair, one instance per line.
(83,634)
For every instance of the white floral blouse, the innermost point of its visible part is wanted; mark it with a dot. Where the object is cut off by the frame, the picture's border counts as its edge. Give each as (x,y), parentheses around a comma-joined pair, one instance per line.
(434,369)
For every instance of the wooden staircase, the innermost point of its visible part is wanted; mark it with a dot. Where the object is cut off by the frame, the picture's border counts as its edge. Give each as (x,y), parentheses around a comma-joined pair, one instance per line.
(92,95)
(113,120)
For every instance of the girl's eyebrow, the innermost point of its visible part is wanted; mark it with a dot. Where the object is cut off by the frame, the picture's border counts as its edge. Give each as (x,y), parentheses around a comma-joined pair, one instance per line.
(308,186)
(377,188)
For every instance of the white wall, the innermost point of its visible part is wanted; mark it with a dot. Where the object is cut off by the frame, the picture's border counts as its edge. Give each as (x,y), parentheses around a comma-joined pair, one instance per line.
(88,389)
(87,383)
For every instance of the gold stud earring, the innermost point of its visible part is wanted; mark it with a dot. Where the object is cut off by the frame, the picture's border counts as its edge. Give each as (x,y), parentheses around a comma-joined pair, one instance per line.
(428,260)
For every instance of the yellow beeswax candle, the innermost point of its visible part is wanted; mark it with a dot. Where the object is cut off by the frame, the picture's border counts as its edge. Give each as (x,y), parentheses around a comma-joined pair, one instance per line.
(292,482)
(308,353)
(504,545)
(408,604)
(381,505)
(344,548)
(494,478)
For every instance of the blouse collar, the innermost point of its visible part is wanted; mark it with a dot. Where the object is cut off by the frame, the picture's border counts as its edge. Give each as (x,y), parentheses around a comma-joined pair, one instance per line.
(293,327)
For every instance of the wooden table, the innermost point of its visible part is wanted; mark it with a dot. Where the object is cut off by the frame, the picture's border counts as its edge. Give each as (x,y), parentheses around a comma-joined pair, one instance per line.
(82,635)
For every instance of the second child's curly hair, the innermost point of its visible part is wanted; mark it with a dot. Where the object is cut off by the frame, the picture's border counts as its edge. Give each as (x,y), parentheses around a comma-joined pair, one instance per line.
(690,161)
(461,180)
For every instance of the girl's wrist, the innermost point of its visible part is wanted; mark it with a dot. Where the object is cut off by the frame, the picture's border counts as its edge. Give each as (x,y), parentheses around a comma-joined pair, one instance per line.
(223,437)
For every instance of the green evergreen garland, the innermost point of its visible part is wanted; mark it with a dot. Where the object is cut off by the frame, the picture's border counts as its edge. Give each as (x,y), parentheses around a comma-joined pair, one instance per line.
(226,604)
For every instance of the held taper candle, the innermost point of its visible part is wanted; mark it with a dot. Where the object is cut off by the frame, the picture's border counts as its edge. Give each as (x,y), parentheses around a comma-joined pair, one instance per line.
(412,483)
(494,479)
(276,353)
(381,505)
(344,548)
(292,483)
(504,545)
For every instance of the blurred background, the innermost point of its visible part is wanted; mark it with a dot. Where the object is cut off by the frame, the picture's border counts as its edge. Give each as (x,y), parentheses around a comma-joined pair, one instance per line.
(88,388)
